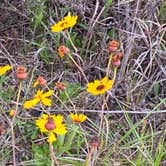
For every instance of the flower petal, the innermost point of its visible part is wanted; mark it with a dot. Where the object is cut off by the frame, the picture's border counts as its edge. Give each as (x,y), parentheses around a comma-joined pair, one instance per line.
(30,103)
(47,94)
(4,69)
(60,131)
(35,84)
(51,137)
(67,22)
(46,101)
(40,123)
(78,118)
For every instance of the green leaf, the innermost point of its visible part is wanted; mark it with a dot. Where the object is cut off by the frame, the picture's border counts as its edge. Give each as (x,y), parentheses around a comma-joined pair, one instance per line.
(72,90)
(156,88)
(108,4)
(41,154)
(163,10)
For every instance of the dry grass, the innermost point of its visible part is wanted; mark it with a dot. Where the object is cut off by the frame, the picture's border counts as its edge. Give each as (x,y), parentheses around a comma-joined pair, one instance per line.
(133,128)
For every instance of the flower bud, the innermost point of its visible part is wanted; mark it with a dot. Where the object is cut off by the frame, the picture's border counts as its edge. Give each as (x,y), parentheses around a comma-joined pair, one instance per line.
(116,59)
(60,86)
(113,45)
(62,50)
(21,72)
(40,81)
(12,113)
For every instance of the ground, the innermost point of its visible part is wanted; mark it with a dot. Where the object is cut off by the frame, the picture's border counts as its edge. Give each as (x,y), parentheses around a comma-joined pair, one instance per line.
(125,125)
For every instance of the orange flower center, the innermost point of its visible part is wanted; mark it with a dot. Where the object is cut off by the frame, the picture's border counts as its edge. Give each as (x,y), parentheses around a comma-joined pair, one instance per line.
(63,24)
(39,97)
(100,87)
(50,125)
(77,120)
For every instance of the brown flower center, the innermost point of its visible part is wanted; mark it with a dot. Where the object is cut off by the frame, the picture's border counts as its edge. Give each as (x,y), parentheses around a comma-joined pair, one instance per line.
(50,125)
(100,87)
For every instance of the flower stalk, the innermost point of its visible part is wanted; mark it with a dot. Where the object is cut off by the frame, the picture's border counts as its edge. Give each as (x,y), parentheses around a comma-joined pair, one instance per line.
(52,155)
(12,124)
(108,65)
(69,37)
(79,68)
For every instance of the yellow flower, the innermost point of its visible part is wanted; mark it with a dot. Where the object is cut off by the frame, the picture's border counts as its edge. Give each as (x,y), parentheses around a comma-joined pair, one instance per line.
(67,22)
(4,69)
(78,118)
(52,125)
(99,87)
(39,96)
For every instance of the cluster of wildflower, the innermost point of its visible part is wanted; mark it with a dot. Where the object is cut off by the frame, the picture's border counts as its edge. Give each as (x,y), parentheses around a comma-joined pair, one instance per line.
(98,86)
(53,124)
(101,86)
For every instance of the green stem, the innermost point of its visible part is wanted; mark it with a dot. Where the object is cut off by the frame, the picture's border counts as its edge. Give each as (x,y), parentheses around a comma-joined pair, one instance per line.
(58,98)
(18,95)
(115,73)
(80,69)
(71,136)
(69,37)
(53,158)
(70,100)
(102,114)
(12,124)
(74,47)
(108,65)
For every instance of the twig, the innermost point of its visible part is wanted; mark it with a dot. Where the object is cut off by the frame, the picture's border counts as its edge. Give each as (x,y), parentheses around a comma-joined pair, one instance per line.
(116,111)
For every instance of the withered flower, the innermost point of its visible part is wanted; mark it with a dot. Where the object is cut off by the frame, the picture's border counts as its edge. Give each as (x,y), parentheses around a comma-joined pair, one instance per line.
(60,86)
(116,59)
(21,73)
(62,51)
(113,45)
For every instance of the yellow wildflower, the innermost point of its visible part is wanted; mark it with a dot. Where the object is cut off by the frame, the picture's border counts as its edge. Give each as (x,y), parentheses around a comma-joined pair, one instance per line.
(68,22)
(39,96)
(12,113)
(99,87)
(52,125)
(4,69)
(78,118)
